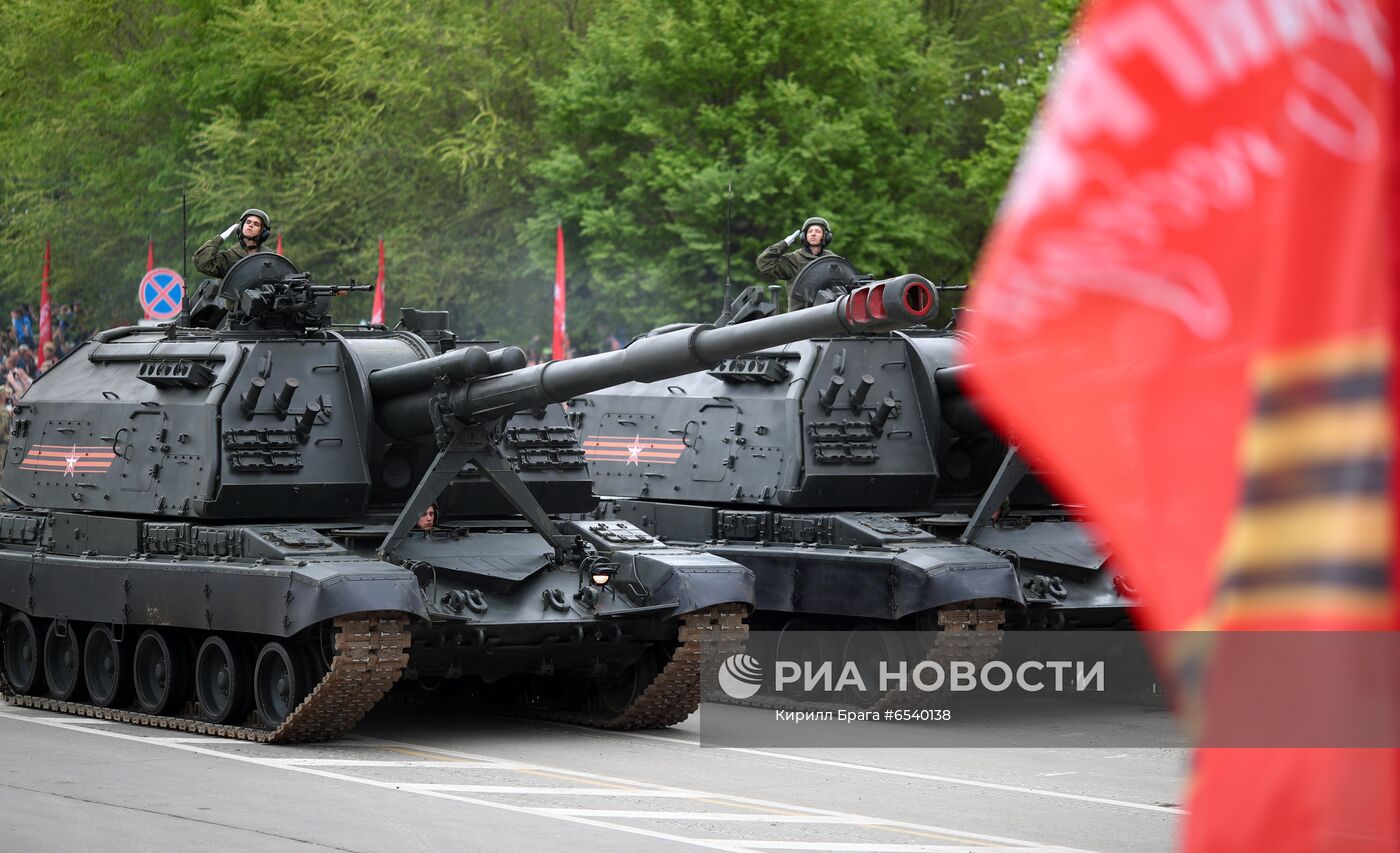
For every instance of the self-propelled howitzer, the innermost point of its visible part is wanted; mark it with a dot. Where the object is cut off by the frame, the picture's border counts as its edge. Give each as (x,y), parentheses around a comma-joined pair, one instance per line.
(855,478)
(215,525)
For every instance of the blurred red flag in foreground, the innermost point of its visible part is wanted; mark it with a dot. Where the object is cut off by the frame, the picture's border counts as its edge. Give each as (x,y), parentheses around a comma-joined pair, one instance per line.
(376,314)
(1187,314)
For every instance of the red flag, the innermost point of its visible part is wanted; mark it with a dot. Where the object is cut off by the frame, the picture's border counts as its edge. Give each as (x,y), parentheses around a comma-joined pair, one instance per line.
(377,313)
(150,254)
(45,317)
(1187,312)
(561,335)
(279,242)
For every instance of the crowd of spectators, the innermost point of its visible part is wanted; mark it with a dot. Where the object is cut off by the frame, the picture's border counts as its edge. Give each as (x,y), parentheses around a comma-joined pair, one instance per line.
(19,348)
(538,352)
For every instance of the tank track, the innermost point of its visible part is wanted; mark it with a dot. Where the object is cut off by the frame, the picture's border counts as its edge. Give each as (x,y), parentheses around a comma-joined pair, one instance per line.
(706,638)
(967,632)
(371,650)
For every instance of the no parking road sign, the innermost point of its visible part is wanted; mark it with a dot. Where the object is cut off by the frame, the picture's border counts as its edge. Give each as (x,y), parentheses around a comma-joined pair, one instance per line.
(161,292)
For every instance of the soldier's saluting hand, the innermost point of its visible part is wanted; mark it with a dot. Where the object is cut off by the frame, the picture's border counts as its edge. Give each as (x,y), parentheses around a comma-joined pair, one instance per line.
(778,263)
(253,229)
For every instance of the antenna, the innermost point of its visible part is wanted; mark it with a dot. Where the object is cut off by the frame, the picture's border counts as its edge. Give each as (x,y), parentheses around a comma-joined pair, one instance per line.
(727,312)
(185,242)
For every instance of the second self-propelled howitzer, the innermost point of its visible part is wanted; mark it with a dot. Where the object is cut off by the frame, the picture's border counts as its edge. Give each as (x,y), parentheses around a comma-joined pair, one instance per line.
(253,522)
(856,480)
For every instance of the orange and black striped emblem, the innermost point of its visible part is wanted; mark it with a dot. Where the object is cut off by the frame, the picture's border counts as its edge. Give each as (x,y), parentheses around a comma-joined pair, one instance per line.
(69,460)
(1313,536)
(632,450)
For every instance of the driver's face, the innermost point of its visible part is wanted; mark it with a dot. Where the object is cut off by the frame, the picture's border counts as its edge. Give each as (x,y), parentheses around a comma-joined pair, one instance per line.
(815,234)
(427,519)
(252,227)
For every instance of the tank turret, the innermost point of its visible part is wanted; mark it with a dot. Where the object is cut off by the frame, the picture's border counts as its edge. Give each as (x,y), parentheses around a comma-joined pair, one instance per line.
(273,517)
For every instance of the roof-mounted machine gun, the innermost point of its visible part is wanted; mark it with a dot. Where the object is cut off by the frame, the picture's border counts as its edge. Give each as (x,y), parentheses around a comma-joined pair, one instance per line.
(264,291)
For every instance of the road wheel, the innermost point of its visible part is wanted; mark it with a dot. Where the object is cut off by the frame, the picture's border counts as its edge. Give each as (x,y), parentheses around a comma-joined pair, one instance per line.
(63,659)
(616,693)
(280,682)
(223,680)
(22,664)
(808,644)
(106,668)
(867,645)
(161,669)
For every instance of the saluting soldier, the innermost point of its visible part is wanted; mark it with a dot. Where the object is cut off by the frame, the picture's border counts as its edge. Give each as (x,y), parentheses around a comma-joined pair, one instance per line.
(778,263)
(253,230)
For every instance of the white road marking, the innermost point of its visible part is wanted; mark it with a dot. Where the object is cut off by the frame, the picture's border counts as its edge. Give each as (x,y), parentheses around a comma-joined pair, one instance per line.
(726,817)
(212,741)
(1061,773)
(732,798)
(908,774)
(713,844)
(762,845)
(355,762)
(541,791)
(573,816)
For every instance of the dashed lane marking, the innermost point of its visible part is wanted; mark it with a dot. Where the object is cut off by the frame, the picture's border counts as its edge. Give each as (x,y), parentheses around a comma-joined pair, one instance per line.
(733,800)
(726,817)
(367,762)
(889,771)
(608,819)
(746,845)
(540,791)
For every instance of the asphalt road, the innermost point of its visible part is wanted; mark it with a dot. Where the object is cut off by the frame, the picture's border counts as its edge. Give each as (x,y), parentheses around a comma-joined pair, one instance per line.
(411,779)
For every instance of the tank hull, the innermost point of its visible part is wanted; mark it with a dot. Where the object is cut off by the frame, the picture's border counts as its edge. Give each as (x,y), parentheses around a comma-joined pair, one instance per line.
(1046,574)
(476,605)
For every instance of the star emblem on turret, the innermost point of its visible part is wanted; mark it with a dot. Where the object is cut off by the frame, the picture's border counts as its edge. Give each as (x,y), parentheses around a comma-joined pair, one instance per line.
(634,451)
(71,460)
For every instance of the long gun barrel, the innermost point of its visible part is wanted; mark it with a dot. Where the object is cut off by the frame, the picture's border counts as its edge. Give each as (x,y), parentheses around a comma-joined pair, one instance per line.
(404,395)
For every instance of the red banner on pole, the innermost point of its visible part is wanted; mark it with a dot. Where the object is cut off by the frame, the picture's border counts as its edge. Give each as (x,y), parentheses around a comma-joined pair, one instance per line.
(45,311)
(279,242)
(1186,312)
(377,313)
(150,254)
(560,347)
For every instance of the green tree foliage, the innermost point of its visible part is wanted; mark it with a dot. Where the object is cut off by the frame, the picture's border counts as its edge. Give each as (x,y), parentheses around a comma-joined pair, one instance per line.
(407,120)
(98,105)
(987,168)
(810,108)
(462,130)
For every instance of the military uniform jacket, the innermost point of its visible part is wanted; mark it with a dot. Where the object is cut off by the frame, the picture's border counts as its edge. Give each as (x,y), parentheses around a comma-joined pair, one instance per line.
(213,261)
(774,264)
